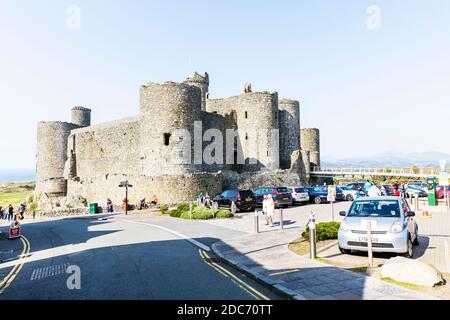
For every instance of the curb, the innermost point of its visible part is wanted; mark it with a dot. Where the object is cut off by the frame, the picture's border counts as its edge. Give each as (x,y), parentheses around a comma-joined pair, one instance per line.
(275,286)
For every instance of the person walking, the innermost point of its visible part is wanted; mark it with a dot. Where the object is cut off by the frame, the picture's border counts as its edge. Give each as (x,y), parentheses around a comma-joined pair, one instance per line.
(270,209)
(10,212)
(264,209)
(367,186)
(109,205)
(374,191)
(21,210)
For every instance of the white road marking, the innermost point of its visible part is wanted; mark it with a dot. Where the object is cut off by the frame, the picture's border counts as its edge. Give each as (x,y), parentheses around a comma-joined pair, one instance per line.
(182,236)
(51,271)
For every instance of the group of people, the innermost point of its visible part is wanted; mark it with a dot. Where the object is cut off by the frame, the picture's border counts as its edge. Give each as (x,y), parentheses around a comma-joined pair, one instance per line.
(204,199)
(9,213)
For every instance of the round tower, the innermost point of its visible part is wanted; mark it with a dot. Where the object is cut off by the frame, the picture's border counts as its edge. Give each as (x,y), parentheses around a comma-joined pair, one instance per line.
(306,166)
(201,82)
(289,123)
(257,121)
(310,141)
(167,132)
(51,157)
(81,116)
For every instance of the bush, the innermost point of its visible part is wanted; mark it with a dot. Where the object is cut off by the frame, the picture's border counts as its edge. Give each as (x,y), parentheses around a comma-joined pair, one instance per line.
(164,208)
(324,231)
(223,214)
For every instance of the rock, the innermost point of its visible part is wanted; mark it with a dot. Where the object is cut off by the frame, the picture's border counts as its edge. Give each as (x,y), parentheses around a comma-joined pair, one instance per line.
(411,271)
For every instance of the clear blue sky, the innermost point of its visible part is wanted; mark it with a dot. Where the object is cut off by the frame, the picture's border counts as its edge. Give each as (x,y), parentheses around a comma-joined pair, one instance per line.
(368,91)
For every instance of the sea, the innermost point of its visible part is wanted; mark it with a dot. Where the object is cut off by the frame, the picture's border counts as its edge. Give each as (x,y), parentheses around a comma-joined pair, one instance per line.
(19,175)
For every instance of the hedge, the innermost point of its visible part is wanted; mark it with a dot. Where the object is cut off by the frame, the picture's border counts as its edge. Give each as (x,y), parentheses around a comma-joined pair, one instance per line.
(324,231)
(199,213)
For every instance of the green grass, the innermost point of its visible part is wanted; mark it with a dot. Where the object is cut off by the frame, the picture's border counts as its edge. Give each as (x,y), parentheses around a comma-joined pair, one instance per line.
(15,193)
(405,285)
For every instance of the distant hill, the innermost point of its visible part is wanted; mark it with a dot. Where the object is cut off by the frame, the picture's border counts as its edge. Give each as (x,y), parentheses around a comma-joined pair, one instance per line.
(389,159)
(19,175)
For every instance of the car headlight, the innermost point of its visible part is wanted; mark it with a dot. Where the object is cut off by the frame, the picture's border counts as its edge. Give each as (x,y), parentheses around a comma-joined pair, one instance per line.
(344,226)
(397,227)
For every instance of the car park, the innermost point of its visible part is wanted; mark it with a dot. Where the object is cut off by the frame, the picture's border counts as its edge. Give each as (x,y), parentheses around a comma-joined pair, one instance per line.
(244,199)
(299,194)
(393,225)
(281,196)
(350,194)
(319,195)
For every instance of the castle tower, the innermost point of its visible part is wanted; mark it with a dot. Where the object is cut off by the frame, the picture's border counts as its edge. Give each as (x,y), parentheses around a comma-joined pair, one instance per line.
(81,116)
(289,122)
(201,82)
(306,165)
(257,120)
(51,157)
(310,141)
(169,110)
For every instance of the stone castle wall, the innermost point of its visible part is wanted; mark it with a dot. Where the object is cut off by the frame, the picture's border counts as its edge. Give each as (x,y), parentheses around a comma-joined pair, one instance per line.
(289,123)
(310,141)
(51,156)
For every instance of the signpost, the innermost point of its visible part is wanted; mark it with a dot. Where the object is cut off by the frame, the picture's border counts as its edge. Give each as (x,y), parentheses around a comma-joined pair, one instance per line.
(331,198)
(444,180)
(126,185)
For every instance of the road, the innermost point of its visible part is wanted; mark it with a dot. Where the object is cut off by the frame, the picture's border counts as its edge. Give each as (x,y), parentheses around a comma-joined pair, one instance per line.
(121,257)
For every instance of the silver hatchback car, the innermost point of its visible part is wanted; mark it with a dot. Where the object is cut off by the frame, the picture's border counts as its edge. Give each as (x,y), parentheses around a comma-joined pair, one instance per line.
(393,226)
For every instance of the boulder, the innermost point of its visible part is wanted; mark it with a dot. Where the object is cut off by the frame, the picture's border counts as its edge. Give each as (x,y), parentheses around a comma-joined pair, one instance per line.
(411,271)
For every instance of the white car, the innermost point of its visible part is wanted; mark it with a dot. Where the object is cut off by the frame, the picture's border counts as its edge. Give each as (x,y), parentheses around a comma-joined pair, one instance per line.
(350,194)
(299,195)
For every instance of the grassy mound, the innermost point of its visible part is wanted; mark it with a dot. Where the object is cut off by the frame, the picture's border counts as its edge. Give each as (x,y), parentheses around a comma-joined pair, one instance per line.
(199,213)
(324,231)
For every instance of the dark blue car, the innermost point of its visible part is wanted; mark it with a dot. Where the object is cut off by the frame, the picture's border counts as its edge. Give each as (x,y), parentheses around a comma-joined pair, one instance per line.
(319,195)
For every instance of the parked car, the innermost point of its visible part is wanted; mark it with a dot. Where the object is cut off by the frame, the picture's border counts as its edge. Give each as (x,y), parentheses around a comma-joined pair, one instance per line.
(393,190)
(244,199)
(281,196)
(413,190)
(319,195)
(388,190)
(419,185)
(299,194)
(394,228)
(350,194)
(440,192)
(357,186)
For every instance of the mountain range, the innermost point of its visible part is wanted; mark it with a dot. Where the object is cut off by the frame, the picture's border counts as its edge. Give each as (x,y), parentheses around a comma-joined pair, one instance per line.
(388,159)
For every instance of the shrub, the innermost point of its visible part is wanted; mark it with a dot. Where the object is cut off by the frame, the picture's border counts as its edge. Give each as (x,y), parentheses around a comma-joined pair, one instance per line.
(164,208)
(324,231)
(223,214)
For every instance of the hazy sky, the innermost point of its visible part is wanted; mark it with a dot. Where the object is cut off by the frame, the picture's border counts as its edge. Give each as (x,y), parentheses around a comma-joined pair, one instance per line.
(369,90)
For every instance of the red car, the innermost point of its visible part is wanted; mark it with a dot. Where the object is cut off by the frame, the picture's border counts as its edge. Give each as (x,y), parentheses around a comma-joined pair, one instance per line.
(392,190)
(440,192)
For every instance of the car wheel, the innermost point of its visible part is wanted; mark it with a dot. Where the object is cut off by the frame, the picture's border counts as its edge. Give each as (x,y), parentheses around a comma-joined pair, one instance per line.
(349,197)
(345,251)
(317,200)
(410,249)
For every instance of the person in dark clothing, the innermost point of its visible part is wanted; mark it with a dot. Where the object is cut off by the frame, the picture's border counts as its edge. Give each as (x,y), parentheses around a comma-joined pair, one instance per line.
(10,213)
(109,205)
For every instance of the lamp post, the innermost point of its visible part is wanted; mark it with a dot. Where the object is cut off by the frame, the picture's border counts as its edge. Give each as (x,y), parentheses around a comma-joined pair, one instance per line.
(126,185)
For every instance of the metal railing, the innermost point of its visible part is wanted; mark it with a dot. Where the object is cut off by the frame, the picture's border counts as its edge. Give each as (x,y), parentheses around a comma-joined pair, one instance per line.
(394,172)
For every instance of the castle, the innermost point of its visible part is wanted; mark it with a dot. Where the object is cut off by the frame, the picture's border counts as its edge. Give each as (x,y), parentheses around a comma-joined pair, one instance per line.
(268,147)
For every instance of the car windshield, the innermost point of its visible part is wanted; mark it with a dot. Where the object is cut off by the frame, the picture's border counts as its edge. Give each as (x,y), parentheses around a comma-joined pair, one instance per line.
(375,208)
(299,190)
(283,190)
(347,188)
(247,193)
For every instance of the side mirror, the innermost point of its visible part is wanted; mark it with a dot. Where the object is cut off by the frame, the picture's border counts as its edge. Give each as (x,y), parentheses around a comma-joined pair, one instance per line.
(410,214)
(343,213)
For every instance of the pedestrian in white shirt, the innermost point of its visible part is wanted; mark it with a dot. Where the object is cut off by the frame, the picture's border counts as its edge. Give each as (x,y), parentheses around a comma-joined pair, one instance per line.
(374,191)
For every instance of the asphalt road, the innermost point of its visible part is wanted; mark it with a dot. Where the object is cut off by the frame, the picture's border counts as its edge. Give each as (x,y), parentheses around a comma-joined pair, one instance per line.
(121,257)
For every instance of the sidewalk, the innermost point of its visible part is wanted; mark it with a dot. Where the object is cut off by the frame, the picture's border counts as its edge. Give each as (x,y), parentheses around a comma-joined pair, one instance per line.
(266,257)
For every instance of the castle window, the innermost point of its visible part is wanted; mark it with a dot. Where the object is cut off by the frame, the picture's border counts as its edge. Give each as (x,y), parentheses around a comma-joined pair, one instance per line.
(276,115)
(246,115)
(166,139)
(246,136)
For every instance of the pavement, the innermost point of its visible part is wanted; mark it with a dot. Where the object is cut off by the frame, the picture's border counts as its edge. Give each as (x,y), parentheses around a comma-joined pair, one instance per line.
(266,257)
